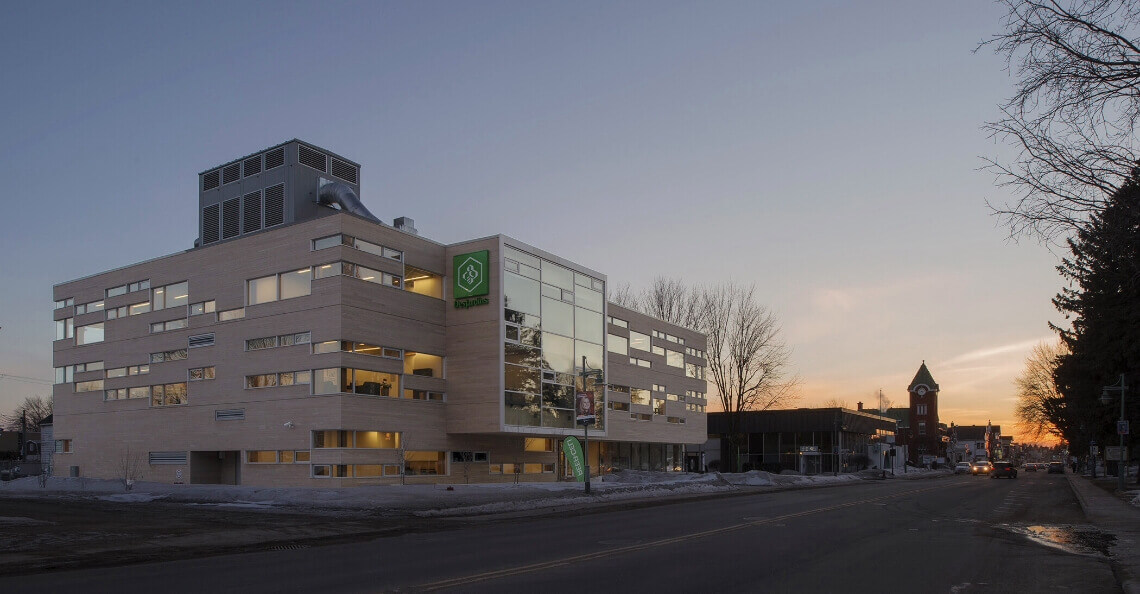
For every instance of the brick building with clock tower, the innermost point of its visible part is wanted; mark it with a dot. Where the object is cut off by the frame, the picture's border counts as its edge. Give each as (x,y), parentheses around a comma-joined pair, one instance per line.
(925,436)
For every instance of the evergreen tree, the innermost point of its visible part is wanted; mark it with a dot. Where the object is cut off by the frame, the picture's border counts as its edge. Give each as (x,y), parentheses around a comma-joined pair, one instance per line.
(1102,302)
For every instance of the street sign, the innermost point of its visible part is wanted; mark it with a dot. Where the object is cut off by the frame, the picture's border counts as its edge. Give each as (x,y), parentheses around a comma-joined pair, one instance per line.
(1094,451)
(1113,452)
(1122,427)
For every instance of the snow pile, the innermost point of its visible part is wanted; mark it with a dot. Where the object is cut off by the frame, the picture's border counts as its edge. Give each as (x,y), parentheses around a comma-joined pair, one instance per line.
(752,478)
(132,497)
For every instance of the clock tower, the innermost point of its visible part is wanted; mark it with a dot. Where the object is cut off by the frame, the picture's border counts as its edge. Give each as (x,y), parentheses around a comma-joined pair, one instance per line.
(926,440)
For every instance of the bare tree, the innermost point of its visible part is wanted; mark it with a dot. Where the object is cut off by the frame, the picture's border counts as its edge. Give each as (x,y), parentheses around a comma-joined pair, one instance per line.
(402,456)
(131,467)
(37,409)
(1040,406)
(673,301)
(1072,118)
(467,460)
(624,296)
(835,403)
(747,358)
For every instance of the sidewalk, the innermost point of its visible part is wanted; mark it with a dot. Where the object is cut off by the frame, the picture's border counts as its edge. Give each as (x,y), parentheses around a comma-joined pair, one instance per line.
(1118,518)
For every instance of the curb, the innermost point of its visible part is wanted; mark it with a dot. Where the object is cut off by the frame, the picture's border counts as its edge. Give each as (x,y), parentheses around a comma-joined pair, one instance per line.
(1127,574)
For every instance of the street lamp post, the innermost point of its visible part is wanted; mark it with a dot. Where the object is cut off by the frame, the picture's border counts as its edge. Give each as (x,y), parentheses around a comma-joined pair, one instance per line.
(599,374)
(1105,398)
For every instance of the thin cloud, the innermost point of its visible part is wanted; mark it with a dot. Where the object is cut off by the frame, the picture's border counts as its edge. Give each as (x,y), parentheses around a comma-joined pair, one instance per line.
(986,353)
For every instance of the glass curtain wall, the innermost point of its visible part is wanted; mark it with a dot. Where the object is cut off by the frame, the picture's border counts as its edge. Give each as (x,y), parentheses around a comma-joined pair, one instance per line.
(554,318)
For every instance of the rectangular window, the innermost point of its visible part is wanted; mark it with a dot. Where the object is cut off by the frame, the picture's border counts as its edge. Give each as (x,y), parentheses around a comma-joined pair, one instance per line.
(425,463)
(88,334)
(91,307)
(138,392)
(267,380)
(64,303)
(173,295)
(261,456)
(618,344)
(639,341)
(658,406)
(202,307)
(168,394)
(423,395)
(175,355)
(639,362)
(261,290)
(296,283)
(231,314)
(377,439)
(332,438)
(138,308)
(920,409)
(89,386)
(538,444)
(116,291)
(168,325)
(619,406)
(64,328)
(922,427)
(638,396)
(675,359)
(198,374)
(63,446)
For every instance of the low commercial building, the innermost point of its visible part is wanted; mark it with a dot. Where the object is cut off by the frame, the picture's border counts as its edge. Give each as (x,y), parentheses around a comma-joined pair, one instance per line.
(302,341)
(806,440)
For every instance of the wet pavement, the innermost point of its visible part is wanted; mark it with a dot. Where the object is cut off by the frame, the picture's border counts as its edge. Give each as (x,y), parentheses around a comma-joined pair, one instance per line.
(1115,517)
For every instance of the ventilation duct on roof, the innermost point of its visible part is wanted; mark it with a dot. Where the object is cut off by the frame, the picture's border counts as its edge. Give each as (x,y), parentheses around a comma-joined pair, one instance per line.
(342,195)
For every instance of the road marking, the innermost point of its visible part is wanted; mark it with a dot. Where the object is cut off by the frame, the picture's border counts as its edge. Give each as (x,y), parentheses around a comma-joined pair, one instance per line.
(513,571)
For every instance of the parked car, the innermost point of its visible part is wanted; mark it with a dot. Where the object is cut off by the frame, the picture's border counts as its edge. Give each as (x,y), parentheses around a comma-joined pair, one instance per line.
(1056,468)
(1002,468)
(981,467)
(962,468)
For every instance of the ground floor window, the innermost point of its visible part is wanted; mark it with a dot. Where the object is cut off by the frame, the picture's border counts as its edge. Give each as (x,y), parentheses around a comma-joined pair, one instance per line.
(425,463)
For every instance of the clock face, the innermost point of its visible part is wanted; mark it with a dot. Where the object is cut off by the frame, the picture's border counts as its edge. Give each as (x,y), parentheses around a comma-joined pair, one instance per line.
(921,390)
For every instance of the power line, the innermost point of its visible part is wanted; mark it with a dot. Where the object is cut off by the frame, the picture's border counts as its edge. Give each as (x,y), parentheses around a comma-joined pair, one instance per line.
(21,378)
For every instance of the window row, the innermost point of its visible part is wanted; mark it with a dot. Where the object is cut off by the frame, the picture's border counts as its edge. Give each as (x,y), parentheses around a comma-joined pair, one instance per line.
(128,310)
(422,364)
(360,244)
(127,288)
(66,374)
(668,337)
(360,272)
(277,456)
(269,380)
(175,355)
(415,463)
(126,371)
(620,323)
(160,394)
(282,340)
(696,352)
(337,380)
(286,285)
(349,439)
(168,325)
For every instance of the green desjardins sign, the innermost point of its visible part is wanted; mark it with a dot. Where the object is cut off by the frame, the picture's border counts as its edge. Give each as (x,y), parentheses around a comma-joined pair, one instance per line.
(471,279)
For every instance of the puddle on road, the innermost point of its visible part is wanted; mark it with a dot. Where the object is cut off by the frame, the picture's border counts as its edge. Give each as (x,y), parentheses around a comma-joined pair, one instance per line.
(1079,540)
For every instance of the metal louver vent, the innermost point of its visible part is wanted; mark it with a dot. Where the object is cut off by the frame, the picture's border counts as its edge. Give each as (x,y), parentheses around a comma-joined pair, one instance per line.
(344,170)
(210,222)
(201,340)
(251,166)
(275,205)
(274,158)
(251,212)
(210,180)
(231,173)
(311,158)
(229,414)
(168,457)
(231,211)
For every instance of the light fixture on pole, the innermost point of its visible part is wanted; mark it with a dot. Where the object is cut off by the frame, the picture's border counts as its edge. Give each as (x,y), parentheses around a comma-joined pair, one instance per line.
(586,414)
(1121,425)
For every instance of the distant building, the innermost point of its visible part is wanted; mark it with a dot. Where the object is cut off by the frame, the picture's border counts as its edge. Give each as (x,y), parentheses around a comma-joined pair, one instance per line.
(925,438)
(808,440)
(976,441)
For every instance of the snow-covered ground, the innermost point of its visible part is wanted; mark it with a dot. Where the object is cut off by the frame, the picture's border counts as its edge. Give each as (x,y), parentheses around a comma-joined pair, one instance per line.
(435,500)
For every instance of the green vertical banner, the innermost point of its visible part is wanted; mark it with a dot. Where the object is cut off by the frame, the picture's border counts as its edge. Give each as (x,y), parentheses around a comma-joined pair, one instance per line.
(573,451)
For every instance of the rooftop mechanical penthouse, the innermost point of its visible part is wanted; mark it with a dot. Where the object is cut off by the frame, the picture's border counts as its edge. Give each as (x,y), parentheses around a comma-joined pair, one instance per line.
(302,341)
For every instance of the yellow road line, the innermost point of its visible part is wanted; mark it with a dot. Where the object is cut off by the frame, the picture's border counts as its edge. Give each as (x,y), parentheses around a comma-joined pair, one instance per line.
(512,571)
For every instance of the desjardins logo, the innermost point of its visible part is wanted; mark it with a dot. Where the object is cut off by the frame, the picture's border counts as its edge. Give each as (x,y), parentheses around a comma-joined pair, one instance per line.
(471,281)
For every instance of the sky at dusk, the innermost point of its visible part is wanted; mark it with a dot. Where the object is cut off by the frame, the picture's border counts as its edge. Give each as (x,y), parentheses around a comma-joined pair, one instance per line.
(827,152)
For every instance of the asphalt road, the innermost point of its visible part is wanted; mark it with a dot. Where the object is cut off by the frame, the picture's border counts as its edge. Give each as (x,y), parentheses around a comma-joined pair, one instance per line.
(959,534)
